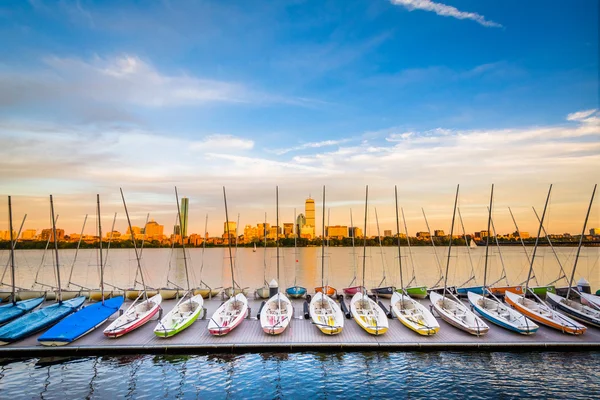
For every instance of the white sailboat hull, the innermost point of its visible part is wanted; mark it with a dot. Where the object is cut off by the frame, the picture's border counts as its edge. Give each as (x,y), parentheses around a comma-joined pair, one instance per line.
(276,314)
(326,314)
(414,315)
(368,315)
(458,315)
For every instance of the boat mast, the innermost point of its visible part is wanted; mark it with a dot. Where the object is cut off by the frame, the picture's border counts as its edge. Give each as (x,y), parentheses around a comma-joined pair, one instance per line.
(55,250)
(295,248)
(229,246)
(364,288)
(265,251)
(203,248)
(399,252)
(383,281)
(437,258)
(500,255)
(522,242)
(8,261)
(137,256)
(487,242)
(537,239)
(187,276)
(323,248)
(77,251)
(562,270)
(277,241)
(450,244)
(468,248)
(412,261)
(12,253)
(353,249)
(101,261)
(580,242)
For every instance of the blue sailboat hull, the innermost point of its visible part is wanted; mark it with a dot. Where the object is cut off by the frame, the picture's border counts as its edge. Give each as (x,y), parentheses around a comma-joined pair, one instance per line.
(83,321)
(466,290)
(10,311)
(38,320)
(295,291)
(503,324)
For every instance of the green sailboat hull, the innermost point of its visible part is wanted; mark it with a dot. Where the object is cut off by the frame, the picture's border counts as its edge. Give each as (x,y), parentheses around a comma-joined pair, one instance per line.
(417,292)
(165,333)
(542,290)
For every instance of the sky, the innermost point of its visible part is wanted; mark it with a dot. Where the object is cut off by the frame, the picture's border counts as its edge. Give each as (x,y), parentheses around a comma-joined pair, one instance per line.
(145,96)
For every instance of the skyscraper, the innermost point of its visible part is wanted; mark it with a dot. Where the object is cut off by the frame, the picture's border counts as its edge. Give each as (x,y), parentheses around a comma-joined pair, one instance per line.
(184,216)
(309,209)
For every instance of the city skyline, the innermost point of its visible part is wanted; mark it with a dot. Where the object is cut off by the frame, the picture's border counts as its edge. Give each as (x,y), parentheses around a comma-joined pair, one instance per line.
(148,97)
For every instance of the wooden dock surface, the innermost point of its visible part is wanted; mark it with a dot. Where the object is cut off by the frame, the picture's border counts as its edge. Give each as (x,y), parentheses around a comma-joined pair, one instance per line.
(301,335)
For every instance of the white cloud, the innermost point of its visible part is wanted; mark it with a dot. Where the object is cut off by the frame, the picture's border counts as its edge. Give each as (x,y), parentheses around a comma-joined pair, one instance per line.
(444,10)
(222,142)
(309,145)
(581,115)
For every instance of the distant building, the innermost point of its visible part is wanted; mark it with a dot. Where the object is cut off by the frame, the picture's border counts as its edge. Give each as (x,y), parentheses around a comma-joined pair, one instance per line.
(48,235)
(354,232)
(300,222)
(136,229)
(262,229)
(595,231)
(185,203)
(336,231)
(250,233)
(154,230)
(517,234)
(114,235)
(273,232)
(439,233)
(230,227)
(309,209)
(28,234)
(288,229)
(5,235)
(307,232)
(423,235)
(387,232)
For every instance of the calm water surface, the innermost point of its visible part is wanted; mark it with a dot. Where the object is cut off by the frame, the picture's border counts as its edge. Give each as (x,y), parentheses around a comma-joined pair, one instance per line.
(308,375)
(304,266)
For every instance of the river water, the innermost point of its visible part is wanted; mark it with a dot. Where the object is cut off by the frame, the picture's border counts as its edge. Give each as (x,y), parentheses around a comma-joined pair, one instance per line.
(307,375)
(303,265)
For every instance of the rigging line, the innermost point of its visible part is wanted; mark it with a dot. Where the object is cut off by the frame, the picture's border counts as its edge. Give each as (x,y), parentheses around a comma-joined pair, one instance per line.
(380,249)
(323,250)
(450,244)
(468,249)
(12,253)
(76,252)
(522,243)
(500,255)
(15,246)
(187,277)
(43,259)
(487,241)
(398,239)
(437,259)
(100,237)
(137,256)
(353,249)
(135,281)
(173,244)
(537,239)
(265,251)
(229,246)
(364,288)
(410,254)
(203,249)
(564,274)
(587,215)
(59,296)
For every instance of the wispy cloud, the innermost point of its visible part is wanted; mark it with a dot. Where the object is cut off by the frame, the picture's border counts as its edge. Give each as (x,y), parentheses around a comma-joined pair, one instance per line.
(309,145)
(222,142)
(445,11)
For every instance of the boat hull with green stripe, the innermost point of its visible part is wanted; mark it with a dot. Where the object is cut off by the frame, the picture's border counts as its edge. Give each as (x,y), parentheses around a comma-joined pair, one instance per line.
(416,292)
(182,316)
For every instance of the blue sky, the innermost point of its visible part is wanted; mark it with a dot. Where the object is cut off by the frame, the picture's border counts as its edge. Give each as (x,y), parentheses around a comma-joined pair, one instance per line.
(422,94)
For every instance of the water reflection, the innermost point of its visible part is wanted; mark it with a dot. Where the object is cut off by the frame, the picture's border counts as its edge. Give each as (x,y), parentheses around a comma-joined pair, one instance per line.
(307,375)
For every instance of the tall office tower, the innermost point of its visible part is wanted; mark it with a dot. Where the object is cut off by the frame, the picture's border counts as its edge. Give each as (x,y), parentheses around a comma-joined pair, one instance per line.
(309,207)
(184,215)
(229,227)
(300,222)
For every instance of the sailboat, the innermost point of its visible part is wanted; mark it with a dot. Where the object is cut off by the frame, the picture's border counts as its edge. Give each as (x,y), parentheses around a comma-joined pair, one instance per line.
(411,313)
(584,313)
(139,312)
(41,318)
(254,249)
(15,309)
(264,291)
(324,312)
(188,309)
(382,291)
(352,290)
(472,244)
(88,318)
(493,309)
(203,289)
(277,312)
(231,313)
(367,314)
(539,311)
(296,291)
(450,308)
(412,288)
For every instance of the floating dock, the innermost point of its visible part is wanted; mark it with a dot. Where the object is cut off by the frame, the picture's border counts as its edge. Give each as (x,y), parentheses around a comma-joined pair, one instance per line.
(301,335)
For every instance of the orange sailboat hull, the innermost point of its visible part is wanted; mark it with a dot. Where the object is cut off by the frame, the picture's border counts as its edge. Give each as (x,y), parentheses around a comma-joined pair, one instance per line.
(328,290)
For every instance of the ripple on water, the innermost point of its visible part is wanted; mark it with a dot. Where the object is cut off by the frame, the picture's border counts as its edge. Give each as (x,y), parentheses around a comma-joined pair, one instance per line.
(306,375)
